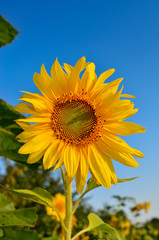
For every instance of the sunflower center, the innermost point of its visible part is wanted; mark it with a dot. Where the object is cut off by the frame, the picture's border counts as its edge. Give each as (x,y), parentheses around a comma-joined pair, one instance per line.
(74,120)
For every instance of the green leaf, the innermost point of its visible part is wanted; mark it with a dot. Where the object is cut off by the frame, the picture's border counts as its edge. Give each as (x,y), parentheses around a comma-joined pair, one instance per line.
(8,114)
(147,237)
(91,184)
(120,180)
(9,147)
(5,203)
(18,234)
(4,238)
(96,223)
(1,232)
(52,238)
(20,217)
(7,32)
(38,195)
(11,217)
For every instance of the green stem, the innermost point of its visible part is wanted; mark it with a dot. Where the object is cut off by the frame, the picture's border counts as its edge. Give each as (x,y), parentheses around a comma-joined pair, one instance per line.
(81,232)
(68,192)
(61,220)
(77,203)
(100,235)
(63,176)
(55,229)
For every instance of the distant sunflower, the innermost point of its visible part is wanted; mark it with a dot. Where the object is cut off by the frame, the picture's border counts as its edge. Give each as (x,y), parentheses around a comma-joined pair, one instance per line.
(138,207)
(59,201)
(147,206)
(76,123)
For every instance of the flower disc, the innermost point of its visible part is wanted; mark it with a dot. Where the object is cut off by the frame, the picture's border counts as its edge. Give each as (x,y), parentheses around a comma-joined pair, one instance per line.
(74,121)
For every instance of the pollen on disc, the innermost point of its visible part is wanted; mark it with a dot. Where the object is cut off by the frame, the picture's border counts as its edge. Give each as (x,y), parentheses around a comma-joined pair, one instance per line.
(74,121)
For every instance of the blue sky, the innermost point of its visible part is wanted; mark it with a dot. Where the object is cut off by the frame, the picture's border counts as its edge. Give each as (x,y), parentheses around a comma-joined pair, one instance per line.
(113,34)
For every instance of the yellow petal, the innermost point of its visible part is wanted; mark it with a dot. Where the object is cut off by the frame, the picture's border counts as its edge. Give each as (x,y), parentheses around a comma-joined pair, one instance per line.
(27,134)
(119,144)
(52,154)
(43,118)
(60,79)
(107,89)
(39,103)
(109,163)
(79,186)
(37,143)
(32,131)
(50,94)
(35,157)
(104,76)
(111,100)
(120,111)
(127,96)
(74,76)
(68,68)
(25,108)
(100,82)
(113,86)
(43,85)
(23,125)
(59,164)
(123,128)
(82,172)
(88,78)
(121,157)
(71,160)
(99,168)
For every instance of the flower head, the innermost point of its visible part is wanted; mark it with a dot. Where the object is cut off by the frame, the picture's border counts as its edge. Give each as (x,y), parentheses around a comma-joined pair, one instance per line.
(147,206)
(138,207)
(76,123)
(59,201)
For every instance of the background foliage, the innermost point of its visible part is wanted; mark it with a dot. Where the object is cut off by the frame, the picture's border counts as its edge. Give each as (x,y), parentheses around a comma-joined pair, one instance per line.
(117,216)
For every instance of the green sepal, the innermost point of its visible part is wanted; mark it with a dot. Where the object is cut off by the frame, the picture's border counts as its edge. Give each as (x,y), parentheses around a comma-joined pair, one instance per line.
(91,184)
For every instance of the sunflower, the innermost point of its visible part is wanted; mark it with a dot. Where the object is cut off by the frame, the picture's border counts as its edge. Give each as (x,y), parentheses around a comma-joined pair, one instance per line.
(59,202)
(138,207)
(147,206)
(75,122)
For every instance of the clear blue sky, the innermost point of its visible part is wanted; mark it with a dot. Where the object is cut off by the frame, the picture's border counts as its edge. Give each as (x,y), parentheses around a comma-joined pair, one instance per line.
(113,34)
